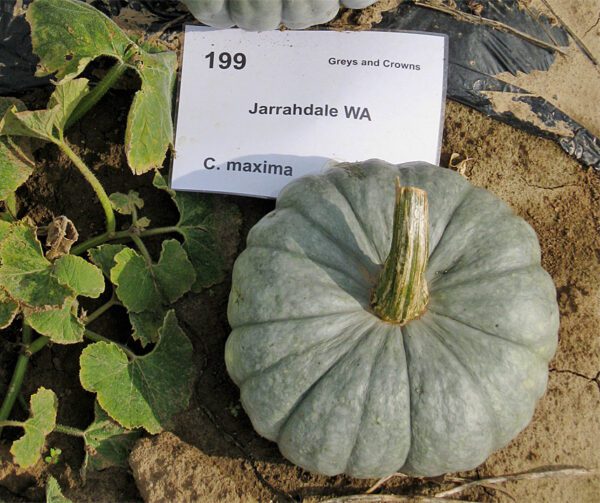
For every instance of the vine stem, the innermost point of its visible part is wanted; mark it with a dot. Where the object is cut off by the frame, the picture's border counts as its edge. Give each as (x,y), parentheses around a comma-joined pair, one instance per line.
(69,430)
(114,236)
(12,424)
(16,381)
(60,428)
(102,309)
(96,94)
(93,336)
(142,248)
(94,182)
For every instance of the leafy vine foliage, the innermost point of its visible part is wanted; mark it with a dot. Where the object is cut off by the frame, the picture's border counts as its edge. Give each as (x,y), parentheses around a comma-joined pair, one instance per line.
(41,287)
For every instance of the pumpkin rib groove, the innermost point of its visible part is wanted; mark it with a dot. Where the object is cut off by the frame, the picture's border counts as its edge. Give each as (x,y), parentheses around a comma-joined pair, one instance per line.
(361,339)
(366,399)
(277,424)
(316,260)
(473,378)
(516,343)
(301,398)
(332,238)
(341,335)
(467,192)
(259,233)
(302,318)
(374,251)
(403,337)
(476,279)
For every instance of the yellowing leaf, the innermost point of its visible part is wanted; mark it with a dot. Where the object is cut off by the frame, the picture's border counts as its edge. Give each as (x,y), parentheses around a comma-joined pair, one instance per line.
(45,291)
(62,325)
(47,124)
(16,161)
(27,451)
(54,493)
(65,49)
(25,274)
(148,390)
(8,310)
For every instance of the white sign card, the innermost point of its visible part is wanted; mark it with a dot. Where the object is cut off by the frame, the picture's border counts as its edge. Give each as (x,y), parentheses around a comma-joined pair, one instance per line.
(257,110)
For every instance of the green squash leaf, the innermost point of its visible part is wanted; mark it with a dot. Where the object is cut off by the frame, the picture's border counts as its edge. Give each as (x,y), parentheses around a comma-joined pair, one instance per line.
(25,274)
(45,291)
(146,325)
(126,204)
(79,275)
(136,287)
(197,226)
(66,49)
(5,228)
(106,443)
(148,390)
(149,130)
(16,166)
(54,493)
(104,256)
(16,160)
(47,124)
(27,451)
(146,287)
(62,326)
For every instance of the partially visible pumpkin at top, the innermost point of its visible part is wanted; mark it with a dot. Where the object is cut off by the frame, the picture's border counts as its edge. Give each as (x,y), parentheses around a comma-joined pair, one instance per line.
(259,15)
(424,362)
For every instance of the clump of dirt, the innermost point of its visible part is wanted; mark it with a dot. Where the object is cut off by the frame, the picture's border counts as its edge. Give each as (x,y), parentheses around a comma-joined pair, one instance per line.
(167,469)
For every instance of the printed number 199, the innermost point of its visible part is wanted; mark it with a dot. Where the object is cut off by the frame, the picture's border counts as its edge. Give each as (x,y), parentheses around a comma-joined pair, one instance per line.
(225,60)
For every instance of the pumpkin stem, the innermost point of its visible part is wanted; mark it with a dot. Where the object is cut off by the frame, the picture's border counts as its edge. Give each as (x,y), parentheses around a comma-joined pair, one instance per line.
(401,293)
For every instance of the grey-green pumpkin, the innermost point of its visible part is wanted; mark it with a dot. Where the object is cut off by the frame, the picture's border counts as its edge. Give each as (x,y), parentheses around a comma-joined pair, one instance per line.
(259,15)
(342,391)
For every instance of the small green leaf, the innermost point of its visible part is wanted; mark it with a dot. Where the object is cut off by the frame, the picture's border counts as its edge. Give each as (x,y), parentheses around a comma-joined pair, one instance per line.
(126,204)
(145,287)
(174,273)
(8,310)
(148,390)
(104,256)
(136,286)
(27,451)
(47,124)
(79,275)
(66,49)
(62,326)
(54,456)
(142,223)
(146,325)
(107,443)
(54,493)
(197,226)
